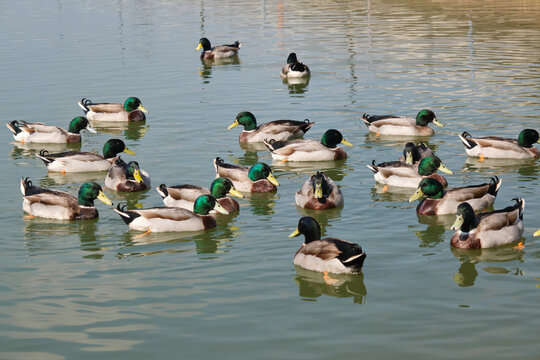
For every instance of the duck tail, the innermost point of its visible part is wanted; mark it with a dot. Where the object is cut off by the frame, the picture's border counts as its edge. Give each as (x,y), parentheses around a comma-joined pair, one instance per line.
(84,104)
(494,186)
(43,156)
(162,190)
(237,44)
(365,119)
(305,127)
(520,203)
(467,140)
(373,167)
(217,163)
(269,144)
(26,185)
(14,127)
(126,215)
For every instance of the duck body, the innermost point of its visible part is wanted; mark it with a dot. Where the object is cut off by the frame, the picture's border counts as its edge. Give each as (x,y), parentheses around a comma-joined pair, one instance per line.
(326,255)
(257,178)
(309,150)
(489,229)
(131,111)
(217,52)
(413,154)
(26,132)
(319,192)
(502,148)
(294,68)
(59,205)
(440,202)
(127,177)
(402,125)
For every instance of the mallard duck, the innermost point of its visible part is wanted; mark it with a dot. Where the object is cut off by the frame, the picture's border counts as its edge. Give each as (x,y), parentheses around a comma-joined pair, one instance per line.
(131,110)
(309,150)
(537,233)
(402,125)
(217,52)
(75,161)
(26,132)
(437,201)
(328,255)
(294,68)
(160,219)
(127,177)
(280,130)
(257,178)
(489,229)
(502,148)
(412,154)
(319,192)
(184,196)
(397,173)
(59,205)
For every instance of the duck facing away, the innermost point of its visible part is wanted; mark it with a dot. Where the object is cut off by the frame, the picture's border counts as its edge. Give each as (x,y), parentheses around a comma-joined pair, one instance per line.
(502,148)
(402,125)
(437,201)
(257,178)
(328,255)
(53,204)
(294,68)
(309,150)
(76,161)
(280,130)
(319,192)
(397,173)
(184,196)
(26,132)
(161,219)
(217,52)
(127,177)
(489,229)
(132,110)
(413,154)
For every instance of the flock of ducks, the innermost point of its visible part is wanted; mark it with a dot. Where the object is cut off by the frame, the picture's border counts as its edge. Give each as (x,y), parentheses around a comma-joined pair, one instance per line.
(191,207)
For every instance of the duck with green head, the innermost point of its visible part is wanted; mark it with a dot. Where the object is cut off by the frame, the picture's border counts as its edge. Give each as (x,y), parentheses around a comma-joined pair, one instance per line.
(280,130)
(217,52)
(127,177)
(412,154)
(437,201)
(309,150)
(257,178)
(76,161)
(184,196)
(495,147)
(26,132)
(294,68)
(132,110)
(160,219)
(397,173)
(319,192)
(489,229)
(328,255)
(402,125)
(53,204)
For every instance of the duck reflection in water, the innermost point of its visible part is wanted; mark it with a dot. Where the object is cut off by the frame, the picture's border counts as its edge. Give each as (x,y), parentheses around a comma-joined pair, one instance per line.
(262,203)
(205,71)
(29,150)
(133,130)
(297,85)
(436,228)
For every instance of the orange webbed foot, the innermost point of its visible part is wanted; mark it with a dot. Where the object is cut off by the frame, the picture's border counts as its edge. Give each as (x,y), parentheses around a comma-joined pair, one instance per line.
(327,279)
(142,235)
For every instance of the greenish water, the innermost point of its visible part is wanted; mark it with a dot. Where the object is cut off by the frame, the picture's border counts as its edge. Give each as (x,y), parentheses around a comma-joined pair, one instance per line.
(92,290)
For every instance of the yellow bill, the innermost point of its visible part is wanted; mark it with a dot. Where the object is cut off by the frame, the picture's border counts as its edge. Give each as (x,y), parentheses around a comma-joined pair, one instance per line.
(236,193)
(438,123)
(457,224)
(294,233)
(199,47)
(537,233)
(127,151)
(220,209)
(445,170)
(317,194)
(345,142)
(137,176)
(101,197)
(417,195)
(272,179)
(408,158)
(235,123)
(143,109)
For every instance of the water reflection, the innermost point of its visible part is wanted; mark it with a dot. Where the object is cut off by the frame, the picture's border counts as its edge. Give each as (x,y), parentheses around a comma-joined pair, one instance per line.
(250,156)
(527,168)
(261,203)
(56,178)
(435,230)
(323,217)
(296,86)
(205,71)
(381,192)
(312,285)
(336,170)
(130,130)
(29,150)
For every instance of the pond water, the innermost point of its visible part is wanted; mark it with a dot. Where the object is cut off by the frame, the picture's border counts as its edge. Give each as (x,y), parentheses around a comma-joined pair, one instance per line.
(91,289)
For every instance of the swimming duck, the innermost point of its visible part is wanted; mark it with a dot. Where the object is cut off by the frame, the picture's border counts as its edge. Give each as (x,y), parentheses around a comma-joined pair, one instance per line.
(257,178)
(328,255)
(127,177)
(489,229)
(184,196)
(217,52)
(397,173)
(309,150)
(412,154)
(26,132)
(319,192)
(294,68)
(280,130)
(53,204)
(437,201)
(402,125)
(160,219)
(75,161)
(502,148)
(131,110)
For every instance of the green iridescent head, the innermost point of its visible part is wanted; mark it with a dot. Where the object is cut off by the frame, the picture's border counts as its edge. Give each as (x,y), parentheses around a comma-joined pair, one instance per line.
(424,117)
(133,172)
(133,103)
(528,137)
(309,227)
(90,191)
(430,188)
(113,147)
(206,203)
(205,44)
(222,186)
(246,119)
(80,123)
(465,218)
(331,138)
(261,171)
(430,164)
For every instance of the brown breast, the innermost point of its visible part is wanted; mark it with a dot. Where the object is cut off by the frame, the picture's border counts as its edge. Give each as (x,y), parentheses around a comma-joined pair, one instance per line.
(262,186)
(340,154)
